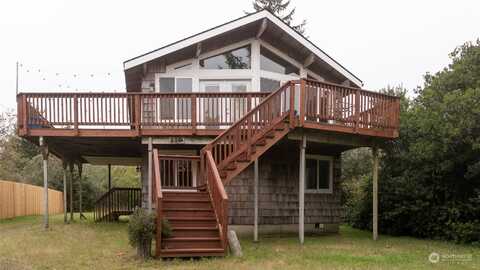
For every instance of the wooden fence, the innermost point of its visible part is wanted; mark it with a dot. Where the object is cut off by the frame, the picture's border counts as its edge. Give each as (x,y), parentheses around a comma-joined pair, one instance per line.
(17,199)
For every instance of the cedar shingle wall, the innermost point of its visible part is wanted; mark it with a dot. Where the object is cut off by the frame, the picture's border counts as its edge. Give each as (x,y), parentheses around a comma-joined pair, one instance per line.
(278,192)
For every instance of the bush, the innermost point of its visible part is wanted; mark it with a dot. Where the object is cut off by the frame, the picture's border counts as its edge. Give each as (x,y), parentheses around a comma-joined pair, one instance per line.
(141,230)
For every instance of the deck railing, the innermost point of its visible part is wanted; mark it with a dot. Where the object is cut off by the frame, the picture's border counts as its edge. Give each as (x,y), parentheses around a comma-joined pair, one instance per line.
(178,171)
(117,202)
(334,107)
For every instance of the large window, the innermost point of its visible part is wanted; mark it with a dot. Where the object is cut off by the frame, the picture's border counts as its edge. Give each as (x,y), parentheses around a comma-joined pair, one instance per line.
(170,107)
(319,174)
(234,59)
(268,85)
(274,63)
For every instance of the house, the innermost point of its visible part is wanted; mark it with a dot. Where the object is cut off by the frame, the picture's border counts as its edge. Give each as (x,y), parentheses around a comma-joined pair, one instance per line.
(240,126)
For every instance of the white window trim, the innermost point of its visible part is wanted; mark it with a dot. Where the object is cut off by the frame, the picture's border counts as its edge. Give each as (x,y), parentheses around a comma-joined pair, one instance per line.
(328,190)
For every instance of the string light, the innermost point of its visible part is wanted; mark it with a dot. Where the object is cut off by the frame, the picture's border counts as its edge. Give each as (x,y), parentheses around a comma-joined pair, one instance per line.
(60,79)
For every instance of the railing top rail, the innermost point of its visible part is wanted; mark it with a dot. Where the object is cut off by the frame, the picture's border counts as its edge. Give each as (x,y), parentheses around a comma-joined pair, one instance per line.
(347,87)
(115,189)
(198,94)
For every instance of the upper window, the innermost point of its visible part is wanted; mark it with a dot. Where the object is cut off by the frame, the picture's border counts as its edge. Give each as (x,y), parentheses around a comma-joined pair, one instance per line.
(319,174)
(269,85)
(274,63)
(234,59)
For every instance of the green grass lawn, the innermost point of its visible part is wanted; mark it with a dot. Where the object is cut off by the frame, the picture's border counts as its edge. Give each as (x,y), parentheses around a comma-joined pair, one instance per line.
(86,245)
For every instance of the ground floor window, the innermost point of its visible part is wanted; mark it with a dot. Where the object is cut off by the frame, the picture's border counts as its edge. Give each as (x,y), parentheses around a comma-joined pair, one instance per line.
(319,174)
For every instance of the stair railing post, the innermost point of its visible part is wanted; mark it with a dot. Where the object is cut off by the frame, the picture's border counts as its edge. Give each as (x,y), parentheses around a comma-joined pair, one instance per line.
(292,104)
(302,102)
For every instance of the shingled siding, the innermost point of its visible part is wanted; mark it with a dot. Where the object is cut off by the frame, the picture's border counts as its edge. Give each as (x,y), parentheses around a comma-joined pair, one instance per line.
(278,192)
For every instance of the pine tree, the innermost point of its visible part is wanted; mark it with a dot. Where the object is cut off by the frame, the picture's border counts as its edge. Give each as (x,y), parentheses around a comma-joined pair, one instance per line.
(279,8)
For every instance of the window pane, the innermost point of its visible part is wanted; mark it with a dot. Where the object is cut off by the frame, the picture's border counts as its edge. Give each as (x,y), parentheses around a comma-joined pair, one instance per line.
(167,106)
(273,63)
(268,85)
(184,85)
(184,104)
(311,174)
(235,59)
(167,85)
(239,87)
(324,174)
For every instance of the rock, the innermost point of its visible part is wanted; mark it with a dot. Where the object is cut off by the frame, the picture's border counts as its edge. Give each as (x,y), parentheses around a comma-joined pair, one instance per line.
(234,244)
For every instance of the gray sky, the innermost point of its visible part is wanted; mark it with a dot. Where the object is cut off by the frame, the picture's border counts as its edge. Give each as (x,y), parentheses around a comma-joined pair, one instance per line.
(382,42)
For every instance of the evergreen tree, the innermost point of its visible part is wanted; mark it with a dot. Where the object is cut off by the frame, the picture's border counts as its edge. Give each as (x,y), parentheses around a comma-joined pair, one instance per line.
(279,8)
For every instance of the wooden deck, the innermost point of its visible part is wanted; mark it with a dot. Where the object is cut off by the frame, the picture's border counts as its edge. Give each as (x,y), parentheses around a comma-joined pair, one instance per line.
(317,105)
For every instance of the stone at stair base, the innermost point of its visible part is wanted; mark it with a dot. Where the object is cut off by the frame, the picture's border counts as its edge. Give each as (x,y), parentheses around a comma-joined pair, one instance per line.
(234,244)
(247,230)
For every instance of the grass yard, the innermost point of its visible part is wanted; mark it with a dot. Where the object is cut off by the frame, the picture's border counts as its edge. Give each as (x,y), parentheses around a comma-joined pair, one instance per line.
(86,245)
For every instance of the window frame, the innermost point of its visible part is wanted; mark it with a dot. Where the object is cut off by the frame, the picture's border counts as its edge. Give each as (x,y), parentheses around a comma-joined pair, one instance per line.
(317,190)
(247,46)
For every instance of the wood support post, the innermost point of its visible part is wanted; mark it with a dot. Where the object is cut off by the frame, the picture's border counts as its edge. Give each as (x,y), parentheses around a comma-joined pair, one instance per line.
(301,191)
(255,201)
(65,216)
(44,149)
(109,177)
(71,191)
(80,191)
(149,174)
(375,193)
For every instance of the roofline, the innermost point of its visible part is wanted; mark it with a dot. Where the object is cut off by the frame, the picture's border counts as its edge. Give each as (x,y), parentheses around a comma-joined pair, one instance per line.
(138,60)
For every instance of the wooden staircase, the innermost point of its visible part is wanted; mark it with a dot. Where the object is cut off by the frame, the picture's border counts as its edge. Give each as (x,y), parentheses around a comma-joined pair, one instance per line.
(195,231)
(199,219)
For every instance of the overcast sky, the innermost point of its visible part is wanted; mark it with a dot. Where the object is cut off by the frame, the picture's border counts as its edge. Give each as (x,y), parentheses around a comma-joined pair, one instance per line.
(81,45)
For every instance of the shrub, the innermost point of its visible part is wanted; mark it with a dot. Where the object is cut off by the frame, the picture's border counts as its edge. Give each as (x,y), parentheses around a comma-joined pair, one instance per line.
(141,230)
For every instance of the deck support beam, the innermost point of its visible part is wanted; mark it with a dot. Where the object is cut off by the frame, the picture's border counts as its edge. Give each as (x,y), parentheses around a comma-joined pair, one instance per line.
(301,191)
(149,174)
(65,216)
(375,193)
(44,149)
(255,201)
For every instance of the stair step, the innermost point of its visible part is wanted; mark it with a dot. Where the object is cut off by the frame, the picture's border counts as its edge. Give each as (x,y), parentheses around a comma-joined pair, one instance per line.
(270,134)
(192,242)
(210,231)
(193,221)
(192,252)
(261,143)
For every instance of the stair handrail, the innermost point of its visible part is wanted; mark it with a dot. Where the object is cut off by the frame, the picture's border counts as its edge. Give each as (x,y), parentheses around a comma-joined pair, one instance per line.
(158,198)
(218,196)
(249,122)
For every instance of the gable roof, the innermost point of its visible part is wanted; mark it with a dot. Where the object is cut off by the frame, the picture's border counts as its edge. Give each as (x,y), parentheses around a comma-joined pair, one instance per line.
(242,21)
